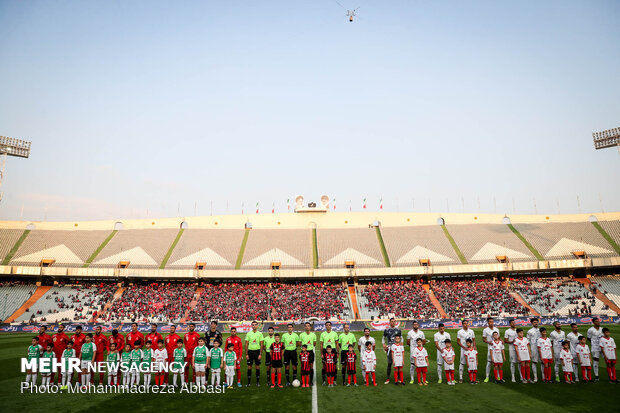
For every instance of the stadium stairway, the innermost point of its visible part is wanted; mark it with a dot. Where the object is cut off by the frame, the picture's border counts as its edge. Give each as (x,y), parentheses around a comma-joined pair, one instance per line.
(386,258)
(40,292)
(107,306)
(455,247)
(192,304)
(353,299)
(599,295)
(521,301)
(13,250)
(99,249)
(434,300)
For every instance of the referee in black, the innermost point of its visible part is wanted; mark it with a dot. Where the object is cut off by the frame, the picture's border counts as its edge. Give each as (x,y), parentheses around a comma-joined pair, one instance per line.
(210,337)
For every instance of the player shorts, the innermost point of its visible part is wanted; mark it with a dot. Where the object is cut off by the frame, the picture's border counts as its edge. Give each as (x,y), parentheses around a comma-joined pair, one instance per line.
(547,361)
(463,359)
(99,356)
(230,370)
(611,362)
(253,357)
(351,371)
(290,357)
(535,357)
(200,367)
(276,364)
(512,353)
(311,357)
(343,356)
(215,370)
(422,369)
(596,354)
(439,357)
(268,359)
(84,364)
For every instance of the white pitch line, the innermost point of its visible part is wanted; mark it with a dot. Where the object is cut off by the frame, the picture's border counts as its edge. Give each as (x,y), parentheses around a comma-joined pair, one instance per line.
(315,406)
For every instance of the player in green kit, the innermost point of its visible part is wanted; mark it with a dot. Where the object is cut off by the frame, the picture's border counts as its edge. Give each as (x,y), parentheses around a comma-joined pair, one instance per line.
(179,355)
(230,364)
(267,342)
(216,361)
(112,360)
(126,363)
(67,354)
(136,357)
(344,340)
(147,359)
(308,339)
(199,362)
(87,355)
(34,352)
(291,342)
(254,342)
(327,338)
(46,372)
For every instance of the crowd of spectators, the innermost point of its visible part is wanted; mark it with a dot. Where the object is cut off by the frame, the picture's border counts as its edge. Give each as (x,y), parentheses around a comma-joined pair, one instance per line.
(476,298)
(401,299)
(556,296)
(271,301)
(153,302)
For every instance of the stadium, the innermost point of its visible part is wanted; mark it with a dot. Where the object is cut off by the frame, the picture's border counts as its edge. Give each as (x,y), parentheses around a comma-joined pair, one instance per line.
(309,206)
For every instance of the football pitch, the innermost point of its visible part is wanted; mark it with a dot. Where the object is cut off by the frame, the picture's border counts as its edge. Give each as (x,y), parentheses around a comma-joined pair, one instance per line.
(508,397)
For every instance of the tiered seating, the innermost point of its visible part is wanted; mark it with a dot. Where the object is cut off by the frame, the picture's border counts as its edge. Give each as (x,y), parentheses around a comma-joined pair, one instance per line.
(8,238)
(610,286)
(612,228)
(290,247)
(558,296)
(482,243)
(154,302)
(558,241)
(339,245)
(12,295)
(476,298)
(217,247)
(402,299)
(68,248)
(407,245)
(144,248)
(70,303)
(366,312)
(264,301)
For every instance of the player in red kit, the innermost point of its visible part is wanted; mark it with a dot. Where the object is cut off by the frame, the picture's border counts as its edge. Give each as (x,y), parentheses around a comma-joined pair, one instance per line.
(119,340)
(237,343)
(44,338)
(78,339)
(134,335)
(171,343)
(154,336)
(60,340)
(101,342)
(191,342)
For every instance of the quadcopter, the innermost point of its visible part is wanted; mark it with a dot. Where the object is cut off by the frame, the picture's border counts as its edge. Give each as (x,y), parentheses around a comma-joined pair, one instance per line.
(350,13)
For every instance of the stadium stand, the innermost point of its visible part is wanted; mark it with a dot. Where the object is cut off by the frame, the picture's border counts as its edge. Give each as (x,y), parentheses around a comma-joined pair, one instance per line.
(290,247)
(67,248)
(612,228)
(8,238)
(407,245)
(78,302)
(482,243)
(476,298)
(218,248)
(610,286)
(265,301)
(339,245)
(402,299)
(152,302)
(558,241)
(143,248)
(558,296)
(12,295)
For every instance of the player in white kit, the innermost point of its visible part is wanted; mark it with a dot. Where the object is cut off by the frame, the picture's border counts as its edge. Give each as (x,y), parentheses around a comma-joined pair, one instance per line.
(557,337)
(573,339)
(487,337)
(533,335)
(461,338)
(440,344)
(509,338)
(594,336)
(412,338)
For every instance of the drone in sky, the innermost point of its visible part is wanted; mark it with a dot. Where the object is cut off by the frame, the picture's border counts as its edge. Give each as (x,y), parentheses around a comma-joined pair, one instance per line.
(351,13)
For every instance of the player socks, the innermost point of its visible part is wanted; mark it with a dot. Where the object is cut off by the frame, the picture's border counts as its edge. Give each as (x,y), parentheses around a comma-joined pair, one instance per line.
(288,377)
(535,370)
(419,376)
(461,372)
(488,368)
(374,381)
(557,369)
(402,379)
(258,376)
(595,367)
(367,378)
(412,371)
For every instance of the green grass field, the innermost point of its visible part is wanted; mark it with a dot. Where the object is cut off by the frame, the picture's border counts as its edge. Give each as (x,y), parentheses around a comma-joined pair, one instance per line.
(438,397)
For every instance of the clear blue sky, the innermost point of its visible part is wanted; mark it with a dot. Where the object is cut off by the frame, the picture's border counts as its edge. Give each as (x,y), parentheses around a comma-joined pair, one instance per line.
(143,108)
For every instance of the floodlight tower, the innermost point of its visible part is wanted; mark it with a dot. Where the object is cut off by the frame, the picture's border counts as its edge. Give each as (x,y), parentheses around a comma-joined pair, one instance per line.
(11,147)
(607,139)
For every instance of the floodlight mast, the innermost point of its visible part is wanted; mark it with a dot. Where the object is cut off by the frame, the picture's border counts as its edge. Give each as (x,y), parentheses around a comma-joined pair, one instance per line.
(607,139)
(11,147)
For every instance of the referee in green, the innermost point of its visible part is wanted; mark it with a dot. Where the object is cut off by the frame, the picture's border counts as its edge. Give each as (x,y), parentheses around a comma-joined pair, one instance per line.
(254,342)
(344,340)
(291,342)
(308,338)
